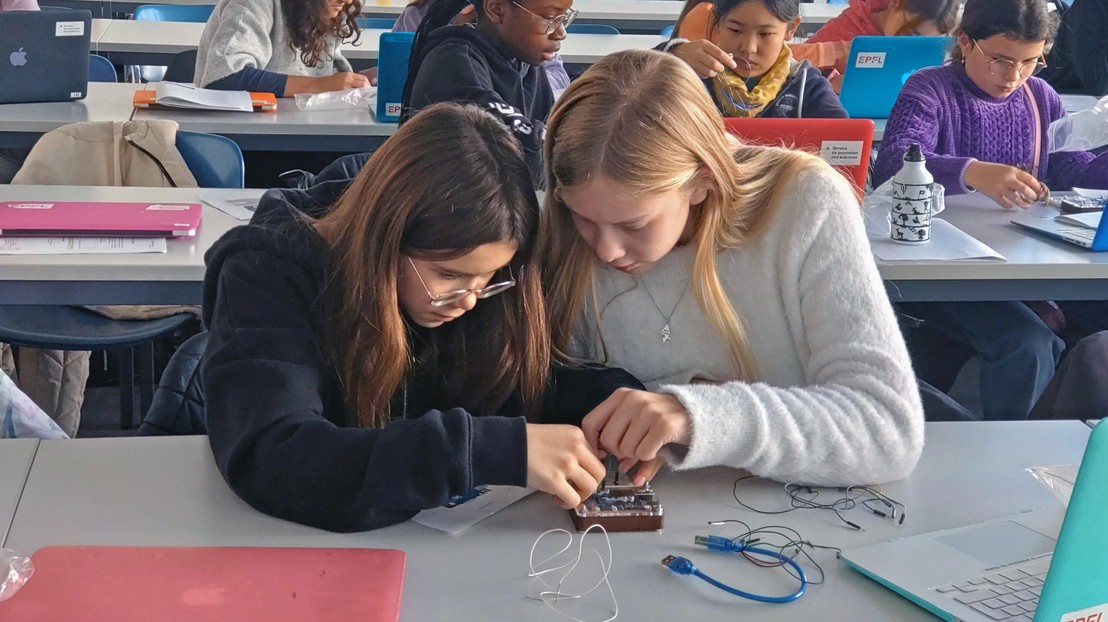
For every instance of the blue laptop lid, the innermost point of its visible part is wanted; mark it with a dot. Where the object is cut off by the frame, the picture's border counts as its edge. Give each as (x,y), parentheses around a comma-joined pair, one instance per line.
(878,67)
(392,73)
(44,56)
(1076,587)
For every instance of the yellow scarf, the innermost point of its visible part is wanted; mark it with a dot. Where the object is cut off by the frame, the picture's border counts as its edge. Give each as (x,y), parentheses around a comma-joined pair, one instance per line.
(736,100)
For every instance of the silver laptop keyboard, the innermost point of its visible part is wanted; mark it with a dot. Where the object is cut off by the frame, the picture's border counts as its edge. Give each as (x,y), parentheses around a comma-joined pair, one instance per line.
(1011,594)
(1081,233)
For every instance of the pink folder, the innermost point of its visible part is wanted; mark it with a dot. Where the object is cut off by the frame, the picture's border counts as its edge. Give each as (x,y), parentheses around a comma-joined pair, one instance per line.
(178,584)
(96,218)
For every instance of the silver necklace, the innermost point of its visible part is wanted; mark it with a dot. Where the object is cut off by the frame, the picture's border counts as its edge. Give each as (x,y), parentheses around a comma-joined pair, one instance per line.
(665,332)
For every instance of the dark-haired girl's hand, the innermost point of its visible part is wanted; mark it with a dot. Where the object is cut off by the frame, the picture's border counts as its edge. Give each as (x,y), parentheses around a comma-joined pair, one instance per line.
(1007,185)
(336,82)
(634,426)
(561,463)
(705,57)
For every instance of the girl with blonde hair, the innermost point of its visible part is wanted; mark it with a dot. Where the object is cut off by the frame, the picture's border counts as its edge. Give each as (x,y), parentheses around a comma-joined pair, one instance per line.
(736,281)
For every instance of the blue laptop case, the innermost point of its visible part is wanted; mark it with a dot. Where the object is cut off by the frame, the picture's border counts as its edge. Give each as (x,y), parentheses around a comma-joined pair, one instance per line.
(879,66)
(392,73)
(44,56)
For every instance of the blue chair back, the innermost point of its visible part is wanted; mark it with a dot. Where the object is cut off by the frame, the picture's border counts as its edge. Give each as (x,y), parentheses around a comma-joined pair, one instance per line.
(100,69)
(196,13)
(215,161)
(383,23)
(592,29)
(667,31)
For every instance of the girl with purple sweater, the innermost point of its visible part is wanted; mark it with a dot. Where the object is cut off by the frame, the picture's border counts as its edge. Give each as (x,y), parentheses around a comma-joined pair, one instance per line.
(982,122)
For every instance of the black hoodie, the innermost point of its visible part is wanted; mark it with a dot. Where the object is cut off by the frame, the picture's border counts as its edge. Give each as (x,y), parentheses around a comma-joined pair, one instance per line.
(463,64)
(275,410)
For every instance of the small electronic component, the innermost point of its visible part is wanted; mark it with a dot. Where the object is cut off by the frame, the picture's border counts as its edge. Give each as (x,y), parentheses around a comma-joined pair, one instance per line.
(620,507)
(1077,204)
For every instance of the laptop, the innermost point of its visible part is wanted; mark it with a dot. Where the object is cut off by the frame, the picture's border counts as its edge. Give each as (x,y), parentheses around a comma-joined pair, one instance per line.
(392,73)
(1016,568)
(178,584)
(878,67)
(1085,230)
(44,56)
(99,218)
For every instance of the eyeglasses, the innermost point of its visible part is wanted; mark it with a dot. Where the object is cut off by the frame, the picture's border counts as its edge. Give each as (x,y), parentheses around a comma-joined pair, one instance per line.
(1004,67)
(448,298)
(552,24)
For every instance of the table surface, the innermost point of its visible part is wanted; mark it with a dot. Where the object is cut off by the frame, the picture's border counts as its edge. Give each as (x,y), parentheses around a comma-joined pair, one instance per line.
(167,491)
(16,456)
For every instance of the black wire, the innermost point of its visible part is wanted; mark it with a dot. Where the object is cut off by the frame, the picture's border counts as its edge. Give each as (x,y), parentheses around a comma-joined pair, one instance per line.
(789,539)
(804,497)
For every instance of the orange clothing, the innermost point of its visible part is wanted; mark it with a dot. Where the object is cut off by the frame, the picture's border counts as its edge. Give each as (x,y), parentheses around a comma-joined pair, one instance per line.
(697,24)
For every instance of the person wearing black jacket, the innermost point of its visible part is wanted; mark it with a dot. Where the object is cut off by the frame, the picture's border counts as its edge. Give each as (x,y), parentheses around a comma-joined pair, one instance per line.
(1078,60)
(377,358)
(495,63)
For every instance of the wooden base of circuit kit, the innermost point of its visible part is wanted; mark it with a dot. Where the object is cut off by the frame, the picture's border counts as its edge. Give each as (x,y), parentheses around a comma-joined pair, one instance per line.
(620,508)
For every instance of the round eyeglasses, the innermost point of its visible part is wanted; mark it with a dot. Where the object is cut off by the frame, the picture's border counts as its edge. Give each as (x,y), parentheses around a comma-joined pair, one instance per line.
(1004,67)
(449,298)
(552,23)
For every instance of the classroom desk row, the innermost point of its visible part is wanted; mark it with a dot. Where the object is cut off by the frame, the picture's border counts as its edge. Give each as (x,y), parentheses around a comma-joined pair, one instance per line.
(638,15)
(167,491)
(1037,268)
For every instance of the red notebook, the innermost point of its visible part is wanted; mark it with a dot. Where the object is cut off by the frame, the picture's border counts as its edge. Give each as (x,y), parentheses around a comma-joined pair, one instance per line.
(175,584)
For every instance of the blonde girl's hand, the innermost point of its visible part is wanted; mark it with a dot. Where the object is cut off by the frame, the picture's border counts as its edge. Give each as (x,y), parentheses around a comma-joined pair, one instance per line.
(705,57)
(561,463)
(1007,185)
(634,426)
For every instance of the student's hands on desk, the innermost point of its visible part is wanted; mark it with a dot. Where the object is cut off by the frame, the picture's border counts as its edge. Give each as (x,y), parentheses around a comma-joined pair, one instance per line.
(561,463)
(1007,185)
(326,84)
(705,57)
(634,426)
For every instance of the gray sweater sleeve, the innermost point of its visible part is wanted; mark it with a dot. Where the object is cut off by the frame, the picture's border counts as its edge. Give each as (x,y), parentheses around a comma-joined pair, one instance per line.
(237,36)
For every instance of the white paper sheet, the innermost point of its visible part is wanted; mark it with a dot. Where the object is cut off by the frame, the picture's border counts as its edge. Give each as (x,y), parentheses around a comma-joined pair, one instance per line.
(1091,193)
(1090,220)
(239,204)
(489,501)
(79,245)
(948,243)
(180,95)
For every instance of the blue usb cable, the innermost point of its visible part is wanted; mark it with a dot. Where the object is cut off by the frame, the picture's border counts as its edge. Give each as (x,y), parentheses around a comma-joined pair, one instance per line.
(682,565)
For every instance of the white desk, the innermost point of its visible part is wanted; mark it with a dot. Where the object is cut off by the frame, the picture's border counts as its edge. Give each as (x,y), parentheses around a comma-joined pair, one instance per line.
(22,124)
(149,278)
(167,491)
(16,456)
(1037,268)
(133,42)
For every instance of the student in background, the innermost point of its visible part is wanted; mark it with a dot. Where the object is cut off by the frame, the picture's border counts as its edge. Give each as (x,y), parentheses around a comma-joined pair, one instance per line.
(734,279)
(982,122)
(695,20)
(830,45)
(284,47)
(496,63)
(414,13)
(1078,60)
(375,359)
(749,70)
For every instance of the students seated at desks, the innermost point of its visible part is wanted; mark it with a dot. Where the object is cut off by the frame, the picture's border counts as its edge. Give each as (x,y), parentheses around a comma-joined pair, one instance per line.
(830,45)
(496,63)
(749,70)
(982,122)
(734,279)
(1078,60)
(414,13)
(375,359)
(284,47)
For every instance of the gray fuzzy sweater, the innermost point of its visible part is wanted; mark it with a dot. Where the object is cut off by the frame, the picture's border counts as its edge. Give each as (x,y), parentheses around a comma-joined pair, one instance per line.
(253,33)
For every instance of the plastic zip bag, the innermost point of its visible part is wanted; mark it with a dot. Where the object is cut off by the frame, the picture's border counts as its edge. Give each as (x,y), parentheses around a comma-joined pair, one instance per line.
(22,418)
(877,205)
(14,572)
(1081,131)
(364,97)
(1059,479)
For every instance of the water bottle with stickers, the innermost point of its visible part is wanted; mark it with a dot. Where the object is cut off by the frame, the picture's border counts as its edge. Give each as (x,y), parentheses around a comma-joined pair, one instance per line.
(913,190)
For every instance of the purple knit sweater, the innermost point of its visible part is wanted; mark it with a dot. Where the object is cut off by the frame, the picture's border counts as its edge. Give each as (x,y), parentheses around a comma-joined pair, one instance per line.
(956,123)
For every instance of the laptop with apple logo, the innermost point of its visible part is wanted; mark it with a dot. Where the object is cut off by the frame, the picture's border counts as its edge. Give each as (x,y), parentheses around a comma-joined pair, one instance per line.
(44,56)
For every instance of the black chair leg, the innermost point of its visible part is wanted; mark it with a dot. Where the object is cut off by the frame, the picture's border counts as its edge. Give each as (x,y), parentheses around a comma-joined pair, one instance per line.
(126,388)
(146,378)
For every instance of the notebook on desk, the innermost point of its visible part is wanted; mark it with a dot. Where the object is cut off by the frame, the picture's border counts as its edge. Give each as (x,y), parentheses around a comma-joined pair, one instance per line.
(178,584)
(1018,568)
(99,218)
(1085,230)
(878,67)
(44,56)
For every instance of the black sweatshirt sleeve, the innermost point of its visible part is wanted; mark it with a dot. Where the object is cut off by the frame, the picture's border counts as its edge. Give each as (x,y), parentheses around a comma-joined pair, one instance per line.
(1090,44)
(820,100)
(454,72)
(254,80)
(575,391)
(266,381)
